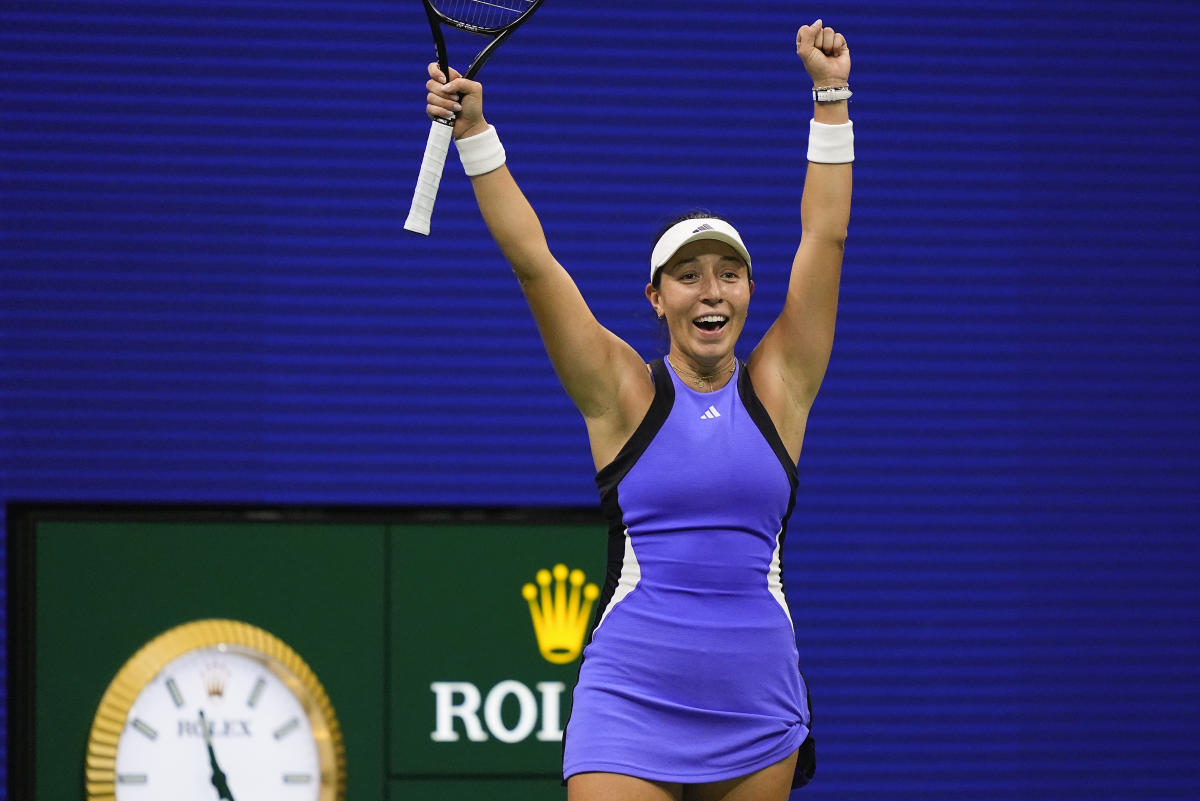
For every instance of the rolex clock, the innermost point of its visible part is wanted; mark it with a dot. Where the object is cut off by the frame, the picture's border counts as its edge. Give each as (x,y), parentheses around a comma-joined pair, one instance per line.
(215,710)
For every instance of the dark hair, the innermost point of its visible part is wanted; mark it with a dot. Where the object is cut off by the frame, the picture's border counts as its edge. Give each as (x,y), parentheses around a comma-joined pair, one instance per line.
(694,214)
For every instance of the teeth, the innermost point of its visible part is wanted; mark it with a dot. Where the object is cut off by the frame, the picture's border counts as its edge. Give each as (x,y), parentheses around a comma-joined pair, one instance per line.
(712,318)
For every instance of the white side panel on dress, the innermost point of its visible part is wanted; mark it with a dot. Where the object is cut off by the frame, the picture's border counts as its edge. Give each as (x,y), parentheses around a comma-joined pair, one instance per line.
(631,574)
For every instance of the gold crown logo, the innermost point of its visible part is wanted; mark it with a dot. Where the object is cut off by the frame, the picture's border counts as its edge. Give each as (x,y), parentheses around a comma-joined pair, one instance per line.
(214,679)
(560,615)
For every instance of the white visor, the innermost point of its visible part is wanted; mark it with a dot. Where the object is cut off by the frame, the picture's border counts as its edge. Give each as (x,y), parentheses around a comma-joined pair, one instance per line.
(685,231)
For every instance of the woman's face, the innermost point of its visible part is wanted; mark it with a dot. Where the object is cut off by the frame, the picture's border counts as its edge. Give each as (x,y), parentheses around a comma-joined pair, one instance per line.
(704,292)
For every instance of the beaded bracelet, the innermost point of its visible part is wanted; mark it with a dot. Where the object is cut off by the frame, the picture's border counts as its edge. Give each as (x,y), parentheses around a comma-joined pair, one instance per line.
(831,94)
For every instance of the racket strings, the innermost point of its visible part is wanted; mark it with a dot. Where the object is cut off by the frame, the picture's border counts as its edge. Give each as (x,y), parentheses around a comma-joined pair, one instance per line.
(484,13)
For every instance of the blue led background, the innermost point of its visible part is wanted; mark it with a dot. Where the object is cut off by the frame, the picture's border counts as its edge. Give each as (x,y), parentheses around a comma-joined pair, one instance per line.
(207,296)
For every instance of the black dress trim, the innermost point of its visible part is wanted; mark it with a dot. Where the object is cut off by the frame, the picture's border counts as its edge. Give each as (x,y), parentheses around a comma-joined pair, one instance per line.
(766,425)
(611,474)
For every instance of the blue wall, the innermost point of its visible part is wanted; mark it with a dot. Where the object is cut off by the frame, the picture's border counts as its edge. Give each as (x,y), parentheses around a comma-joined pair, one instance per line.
(207,296)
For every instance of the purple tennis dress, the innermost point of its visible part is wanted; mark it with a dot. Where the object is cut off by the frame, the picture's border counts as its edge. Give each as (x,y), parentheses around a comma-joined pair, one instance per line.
(690,674)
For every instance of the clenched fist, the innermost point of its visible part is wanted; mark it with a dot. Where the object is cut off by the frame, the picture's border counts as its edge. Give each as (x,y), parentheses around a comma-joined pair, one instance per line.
(825,54)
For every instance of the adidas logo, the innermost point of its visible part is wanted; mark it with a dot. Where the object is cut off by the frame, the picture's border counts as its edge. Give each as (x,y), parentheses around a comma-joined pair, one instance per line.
(710,414)
(705,227)
(560,615)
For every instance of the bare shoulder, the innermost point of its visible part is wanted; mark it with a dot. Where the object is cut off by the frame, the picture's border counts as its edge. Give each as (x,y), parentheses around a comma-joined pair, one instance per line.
(631,397)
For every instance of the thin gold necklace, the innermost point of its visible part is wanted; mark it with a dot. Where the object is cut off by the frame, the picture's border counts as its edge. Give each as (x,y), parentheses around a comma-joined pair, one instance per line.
(704,381)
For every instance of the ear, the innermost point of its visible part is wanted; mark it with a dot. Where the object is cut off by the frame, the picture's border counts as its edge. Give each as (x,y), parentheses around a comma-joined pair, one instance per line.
(751,287)
(655,299)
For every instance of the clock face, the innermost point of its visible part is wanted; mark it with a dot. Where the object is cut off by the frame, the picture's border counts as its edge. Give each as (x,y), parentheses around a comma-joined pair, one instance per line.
(258,729)
(215,710)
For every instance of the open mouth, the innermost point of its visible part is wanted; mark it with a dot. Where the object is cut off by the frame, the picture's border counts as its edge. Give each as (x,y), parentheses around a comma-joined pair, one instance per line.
(711,322)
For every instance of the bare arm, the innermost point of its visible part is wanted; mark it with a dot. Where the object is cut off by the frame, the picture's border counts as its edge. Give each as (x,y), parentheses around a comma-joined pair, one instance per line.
(603,375)
(789,364)
(592,363)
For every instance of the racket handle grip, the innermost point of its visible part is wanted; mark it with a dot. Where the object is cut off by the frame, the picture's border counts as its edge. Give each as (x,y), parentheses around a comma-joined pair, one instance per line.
(430,178)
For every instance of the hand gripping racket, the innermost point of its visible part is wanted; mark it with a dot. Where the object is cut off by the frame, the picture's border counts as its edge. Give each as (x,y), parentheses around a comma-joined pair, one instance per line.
(492,19)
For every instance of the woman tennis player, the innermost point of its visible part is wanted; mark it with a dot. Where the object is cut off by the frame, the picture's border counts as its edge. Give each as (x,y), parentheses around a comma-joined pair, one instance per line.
(689,687)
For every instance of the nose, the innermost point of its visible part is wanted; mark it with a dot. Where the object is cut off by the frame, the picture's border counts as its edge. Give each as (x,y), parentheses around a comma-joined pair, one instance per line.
(711,289)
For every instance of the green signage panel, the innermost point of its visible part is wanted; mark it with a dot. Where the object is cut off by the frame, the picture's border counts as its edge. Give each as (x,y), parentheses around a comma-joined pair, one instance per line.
(104,589)
(447,642)
(486,626)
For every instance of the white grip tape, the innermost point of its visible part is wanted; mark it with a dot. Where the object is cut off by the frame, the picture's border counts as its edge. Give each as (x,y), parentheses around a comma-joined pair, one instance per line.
(430,178)
(830,144)
(481,153)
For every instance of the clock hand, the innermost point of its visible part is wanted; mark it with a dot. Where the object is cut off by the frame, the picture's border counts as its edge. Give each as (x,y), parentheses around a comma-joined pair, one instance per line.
(218,776)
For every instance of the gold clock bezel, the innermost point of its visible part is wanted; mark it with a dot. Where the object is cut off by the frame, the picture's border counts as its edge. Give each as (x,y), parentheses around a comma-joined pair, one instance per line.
(146,664)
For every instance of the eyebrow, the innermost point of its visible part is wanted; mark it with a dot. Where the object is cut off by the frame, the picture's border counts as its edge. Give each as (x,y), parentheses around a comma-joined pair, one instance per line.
(724,258)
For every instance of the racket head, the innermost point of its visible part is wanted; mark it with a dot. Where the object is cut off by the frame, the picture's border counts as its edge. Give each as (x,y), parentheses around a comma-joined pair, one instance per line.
(483,16)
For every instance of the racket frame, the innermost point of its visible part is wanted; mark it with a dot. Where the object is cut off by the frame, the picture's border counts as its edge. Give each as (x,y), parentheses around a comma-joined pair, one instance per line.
(438,143)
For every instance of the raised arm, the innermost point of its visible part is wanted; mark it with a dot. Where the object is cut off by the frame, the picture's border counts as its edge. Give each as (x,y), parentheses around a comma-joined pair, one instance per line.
(790,361)
(603,375)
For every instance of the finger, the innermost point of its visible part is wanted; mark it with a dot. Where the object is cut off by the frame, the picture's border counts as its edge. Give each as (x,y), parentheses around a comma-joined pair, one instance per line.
(451,92)
(839,43)
(803,40)
(436,100)
(826,43)
(435,112)
(435,72)
(458,86)
(438,89)
(806,36)
(438,105)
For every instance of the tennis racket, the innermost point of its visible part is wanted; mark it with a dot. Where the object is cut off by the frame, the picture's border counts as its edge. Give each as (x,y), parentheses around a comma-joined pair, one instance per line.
(492,19)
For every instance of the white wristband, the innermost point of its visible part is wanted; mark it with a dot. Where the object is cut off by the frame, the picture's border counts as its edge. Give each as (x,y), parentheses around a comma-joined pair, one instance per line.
(481,153)
(830,144)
